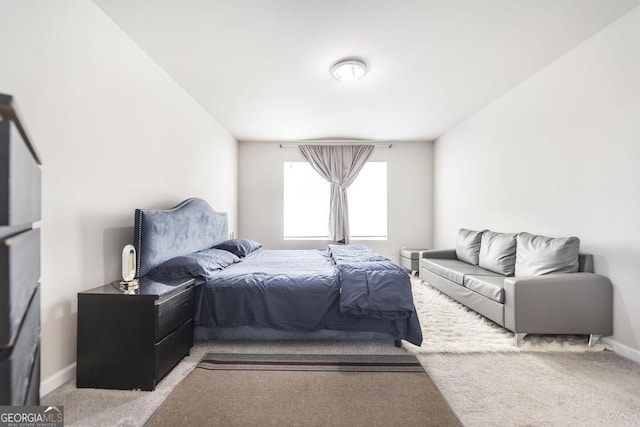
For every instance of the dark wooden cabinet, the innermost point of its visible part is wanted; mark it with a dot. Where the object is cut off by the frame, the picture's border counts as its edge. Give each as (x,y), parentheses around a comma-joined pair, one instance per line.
(20,210)
(130,341)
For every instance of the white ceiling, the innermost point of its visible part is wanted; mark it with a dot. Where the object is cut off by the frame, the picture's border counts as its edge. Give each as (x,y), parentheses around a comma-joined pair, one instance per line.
(261,67)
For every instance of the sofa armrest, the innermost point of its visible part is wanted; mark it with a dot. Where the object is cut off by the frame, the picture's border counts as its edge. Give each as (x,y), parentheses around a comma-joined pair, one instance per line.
(569,303)
(440,254)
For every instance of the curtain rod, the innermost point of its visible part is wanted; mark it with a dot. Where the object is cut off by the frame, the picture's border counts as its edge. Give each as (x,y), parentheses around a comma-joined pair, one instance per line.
(381,144)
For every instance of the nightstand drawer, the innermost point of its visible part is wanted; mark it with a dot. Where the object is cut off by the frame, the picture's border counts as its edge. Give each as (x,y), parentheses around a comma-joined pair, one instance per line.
(173,312)
(173,348)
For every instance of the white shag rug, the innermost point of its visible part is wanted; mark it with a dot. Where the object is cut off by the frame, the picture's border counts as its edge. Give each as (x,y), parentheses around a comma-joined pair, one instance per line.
(450,327)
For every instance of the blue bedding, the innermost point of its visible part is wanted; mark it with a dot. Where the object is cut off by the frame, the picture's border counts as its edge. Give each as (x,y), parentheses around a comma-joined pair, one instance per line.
(370,284)
(342,288)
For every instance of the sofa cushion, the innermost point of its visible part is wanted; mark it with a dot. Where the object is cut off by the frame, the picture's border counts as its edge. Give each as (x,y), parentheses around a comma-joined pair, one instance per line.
(468,245)
(537,255)
(491,287)
(498,252)
(452,269)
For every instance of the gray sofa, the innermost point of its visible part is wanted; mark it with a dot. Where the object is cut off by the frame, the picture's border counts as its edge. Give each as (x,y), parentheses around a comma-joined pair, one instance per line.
(526,283)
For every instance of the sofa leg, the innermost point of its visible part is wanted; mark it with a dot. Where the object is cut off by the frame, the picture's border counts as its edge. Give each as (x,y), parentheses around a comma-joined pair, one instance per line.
(397,343)
(518,339)
(593,339)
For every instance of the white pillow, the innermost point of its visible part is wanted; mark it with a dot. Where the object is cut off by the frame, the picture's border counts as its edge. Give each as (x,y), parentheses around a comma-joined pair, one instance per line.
(498,252)
(468,246)
(538,255)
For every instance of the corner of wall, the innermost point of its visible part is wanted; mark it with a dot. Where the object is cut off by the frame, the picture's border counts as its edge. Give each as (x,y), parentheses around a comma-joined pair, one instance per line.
(623,350)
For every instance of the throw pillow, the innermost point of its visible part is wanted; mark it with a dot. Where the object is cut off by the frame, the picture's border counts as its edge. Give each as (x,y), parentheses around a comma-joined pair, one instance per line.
(203,264)
(498,252)
(239,247)
(468,246)
(537,255)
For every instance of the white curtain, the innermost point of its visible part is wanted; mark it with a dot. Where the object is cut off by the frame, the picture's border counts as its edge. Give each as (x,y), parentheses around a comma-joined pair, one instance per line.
(340,165)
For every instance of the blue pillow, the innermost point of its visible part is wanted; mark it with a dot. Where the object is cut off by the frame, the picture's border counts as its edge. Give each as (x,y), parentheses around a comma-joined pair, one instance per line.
(202,264)
(239,247)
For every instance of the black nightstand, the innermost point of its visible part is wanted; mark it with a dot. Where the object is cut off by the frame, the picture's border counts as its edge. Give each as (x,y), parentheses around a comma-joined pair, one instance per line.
(131,341)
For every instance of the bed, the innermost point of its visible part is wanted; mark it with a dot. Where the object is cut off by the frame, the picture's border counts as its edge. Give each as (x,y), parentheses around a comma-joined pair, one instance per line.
(244,291)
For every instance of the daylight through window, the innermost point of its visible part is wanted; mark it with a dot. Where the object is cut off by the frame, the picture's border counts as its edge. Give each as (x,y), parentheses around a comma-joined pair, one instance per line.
(306,202)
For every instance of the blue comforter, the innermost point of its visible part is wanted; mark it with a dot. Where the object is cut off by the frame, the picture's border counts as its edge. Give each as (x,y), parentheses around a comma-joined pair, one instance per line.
(341,288)
(370,284)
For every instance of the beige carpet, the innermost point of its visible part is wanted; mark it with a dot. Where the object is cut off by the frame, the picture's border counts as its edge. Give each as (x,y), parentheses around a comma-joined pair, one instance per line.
(450,327)
(306,390)
(539,389)
(483,389)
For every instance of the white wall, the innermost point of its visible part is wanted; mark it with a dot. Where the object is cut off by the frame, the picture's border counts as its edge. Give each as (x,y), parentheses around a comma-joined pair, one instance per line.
(409,176)
(558,155)
(115,132)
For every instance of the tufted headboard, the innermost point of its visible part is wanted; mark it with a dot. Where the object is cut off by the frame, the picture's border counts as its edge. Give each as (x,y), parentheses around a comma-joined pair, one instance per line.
(160,235)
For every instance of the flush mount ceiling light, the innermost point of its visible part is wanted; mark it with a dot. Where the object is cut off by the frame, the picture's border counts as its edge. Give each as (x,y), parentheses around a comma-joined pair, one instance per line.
(349,70)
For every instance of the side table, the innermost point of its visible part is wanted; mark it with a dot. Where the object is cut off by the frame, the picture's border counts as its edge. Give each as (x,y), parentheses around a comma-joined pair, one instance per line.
(410,259)
(130,340)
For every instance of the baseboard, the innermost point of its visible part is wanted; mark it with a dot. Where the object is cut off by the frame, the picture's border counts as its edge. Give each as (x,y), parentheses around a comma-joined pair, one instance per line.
(623,350)
(57,379)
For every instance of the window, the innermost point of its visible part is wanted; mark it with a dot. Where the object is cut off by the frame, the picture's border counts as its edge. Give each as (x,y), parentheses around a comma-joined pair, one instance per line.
(367,198)
(306,202)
